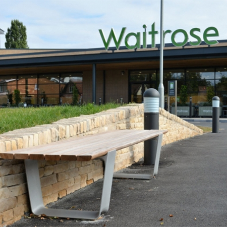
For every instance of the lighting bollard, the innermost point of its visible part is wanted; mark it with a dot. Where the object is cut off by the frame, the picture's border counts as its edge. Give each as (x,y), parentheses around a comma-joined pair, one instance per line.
(190,108)
(215,114)
(121,101)
(151,121)
(166,104)
(100,101)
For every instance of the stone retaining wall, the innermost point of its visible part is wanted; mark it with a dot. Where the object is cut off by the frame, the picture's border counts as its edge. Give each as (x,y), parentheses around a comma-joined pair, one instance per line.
(59,178)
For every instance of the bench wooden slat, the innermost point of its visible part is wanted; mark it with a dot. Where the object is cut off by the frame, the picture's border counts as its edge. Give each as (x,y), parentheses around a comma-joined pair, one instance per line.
(103,142)
(56,146)
(118,144)
(55,154)
(84,148)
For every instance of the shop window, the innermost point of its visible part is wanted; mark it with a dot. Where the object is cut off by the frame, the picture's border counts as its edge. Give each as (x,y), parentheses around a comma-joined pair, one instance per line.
(142,75)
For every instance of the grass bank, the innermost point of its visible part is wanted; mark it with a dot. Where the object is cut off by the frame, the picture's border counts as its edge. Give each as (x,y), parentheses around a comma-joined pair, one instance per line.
(16,118)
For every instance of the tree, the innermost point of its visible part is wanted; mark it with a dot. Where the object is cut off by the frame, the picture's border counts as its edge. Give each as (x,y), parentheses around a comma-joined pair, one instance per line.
(210,94)
(16,36)
(17,97)
(75,95)
(183,94)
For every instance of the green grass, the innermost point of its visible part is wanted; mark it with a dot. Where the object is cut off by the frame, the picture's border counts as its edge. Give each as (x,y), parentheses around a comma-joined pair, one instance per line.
(16,118)
(205,129)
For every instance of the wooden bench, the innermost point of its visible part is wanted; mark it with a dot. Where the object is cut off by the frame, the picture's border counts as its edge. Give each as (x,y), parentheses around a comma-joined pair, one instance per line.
(102,146)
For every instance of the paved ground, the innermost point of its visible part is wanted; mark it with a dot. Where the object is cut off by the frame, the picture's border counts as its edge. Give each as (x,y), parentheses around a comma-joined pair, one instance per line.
(191,186)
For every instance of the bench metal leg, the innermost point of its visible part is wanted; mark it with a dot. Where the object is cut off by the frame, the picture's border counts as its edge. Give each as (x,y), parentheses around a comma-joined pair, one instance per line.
(35,193)
(144,176)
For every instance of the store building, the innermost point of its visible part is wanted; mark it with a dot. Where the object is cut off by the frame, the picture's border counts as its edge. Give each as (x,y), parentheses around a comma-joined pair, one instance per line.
(47,77)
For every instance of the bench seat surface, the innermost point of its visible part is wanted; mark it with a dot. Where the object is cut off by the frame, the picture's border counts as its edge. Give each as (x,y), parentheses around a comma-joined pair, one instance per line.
(84,148)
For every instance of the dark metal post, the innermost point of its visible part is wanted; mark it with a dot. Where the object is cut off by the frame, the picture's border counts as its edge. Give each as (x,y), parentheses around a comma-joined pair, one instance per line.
(215,114)
(121,101)
(94,83)
(100,101)
(151,121)
(166,104)
(190,107)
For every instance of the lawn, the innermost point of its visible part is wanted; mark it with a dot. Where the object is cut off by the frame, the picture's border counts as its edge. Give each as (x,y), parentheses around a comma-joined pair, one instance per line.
(16,118)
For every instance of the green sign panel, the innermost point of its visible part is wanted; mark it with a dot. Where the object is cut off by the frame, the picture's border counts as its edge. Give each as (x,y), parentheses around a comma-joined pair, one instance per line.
(194,33)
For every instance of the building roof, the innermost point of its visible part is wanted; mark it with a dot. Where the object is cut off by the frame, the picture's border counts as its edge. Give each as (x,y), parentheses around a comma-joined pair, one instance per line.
(1,31)
(44,57)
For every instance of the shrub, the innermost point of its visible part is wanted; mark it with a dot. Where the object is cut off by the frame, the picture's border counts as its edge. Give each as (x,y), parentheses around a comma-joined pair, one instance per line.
(16,96)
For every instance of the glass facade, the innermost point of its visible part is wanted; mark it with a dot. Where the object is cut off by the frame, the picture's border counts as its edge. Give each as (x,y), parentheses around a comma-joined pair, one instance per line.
(202,83)
(140,81)
(42,89)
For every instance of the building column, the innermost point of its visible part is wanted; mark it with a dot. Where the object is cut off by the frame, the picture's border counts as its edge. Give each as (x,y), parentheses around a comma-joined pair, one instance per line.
(94,83)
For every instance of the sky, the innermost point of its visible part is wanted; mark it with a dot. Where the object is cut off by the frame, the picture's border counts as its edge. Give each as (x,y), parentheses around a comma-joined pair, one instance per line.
(72,24)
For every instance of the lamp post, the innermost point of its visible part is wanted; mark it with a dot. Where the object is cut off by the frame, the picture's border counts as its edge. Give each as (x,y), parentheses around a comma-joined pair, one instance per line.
(161,86)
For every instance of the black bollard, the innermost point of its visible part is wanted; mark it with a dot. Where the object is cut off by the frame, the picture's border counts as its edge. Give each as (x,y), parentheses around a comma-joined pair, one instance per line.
(121,101)
(166,104)
(151,121)
(190,108)
(100,101)
(215,114)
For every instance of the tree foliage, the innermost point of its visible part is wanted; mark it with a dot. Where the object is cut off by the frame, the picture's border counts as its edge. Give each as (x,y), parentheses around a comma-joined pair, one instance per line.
(16,37)
(210,94)
(75,95)
(183,94)
(17,97)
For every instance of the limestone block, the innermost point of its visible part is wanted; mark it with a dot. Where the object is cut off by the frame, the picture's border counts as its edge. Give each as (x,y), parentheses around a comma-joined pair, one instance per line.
(86,163)
(25,141)
(83,180)
(8,145)
(35,139)
(48,190)
(62,193)
(78,164)
(18,211)
(62,132)
(41,163)
(72,164)
(2,147)
(60,186)
(7,204)
(67,174)
(54,135)
(50,198)
(18,190)
(7,215)
(14,145)
(73,188)
(45,181)
(22,199)
(50,162)
(71,131)
(67,131)
(81,127)
(61,167)
(85,169)
(48,170)
(11,180)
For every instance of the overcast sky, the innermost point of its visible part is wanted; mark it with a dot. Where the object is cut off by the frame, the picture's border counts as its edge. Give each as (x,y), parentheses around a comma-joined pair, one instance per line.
(75,23)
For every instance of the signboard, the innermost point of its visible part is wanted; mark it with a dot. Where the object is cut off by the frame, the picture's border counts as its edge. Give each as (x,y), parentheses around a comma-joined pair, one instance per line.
(141,37)
(171,88)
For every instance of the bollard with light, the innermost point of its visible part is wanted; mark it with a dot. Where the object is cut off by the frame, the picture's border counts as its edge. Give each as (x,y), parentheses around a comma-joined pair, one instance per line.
(151,121)
(215,114)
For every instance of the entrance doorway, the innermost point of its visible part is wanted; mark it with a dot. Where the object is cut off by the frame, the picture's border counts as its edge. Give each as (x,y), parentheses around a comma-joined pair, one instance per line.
(140,81)
(137,90)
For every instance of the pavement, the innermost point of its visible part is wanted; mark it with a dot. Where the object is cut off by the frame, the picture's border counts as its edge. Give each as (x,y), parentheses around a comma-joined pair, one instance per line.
(190,190)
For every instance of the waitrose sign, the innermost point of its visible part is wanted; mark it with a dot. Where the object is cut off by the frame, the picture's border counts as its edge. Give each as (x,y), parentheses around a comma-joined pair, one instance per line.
(208,33)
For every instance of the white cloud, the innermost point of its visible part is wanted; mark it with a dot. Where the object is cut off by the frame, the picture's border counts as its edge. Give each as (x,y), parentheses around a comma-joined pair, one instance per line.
(75,24)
